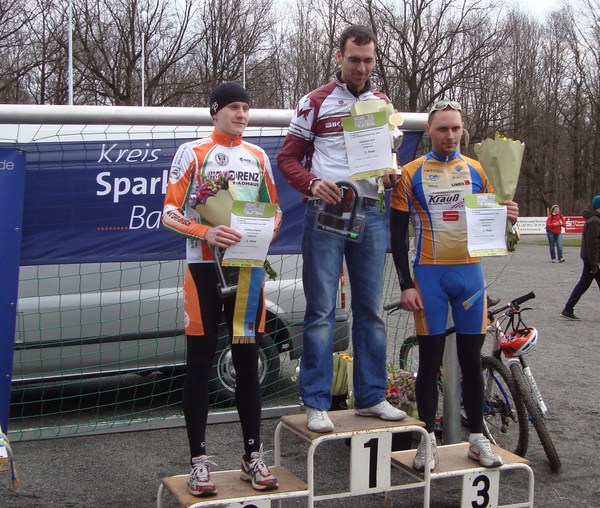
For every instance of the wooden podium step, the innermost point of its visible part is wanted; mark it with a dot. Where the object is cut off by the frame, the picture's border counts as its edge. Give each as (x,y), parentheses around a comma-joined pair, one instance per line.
(478,483)
(232,489)
(453,458)
(344,421)
(370,452)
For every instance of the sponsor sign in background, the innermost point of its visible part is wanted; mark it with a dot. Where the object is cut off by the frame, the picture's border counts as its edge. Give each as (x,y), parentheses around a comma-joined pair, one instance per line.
(101,201)
(537,225)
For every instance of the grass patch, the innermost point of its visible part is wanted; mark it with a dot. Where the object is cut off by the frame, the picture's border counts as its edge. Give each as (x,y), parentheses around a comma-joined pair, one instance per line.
(567,241)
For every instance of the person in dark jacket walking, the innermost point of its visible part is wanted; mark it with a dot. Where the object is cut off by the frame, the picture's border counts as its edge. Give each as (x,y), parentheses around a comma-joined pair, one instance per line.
(590,254)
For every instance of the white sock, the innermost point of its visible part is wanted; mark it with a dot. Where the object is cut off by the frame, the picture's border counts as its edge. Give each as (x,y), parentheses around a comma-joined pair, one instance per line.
(475,437)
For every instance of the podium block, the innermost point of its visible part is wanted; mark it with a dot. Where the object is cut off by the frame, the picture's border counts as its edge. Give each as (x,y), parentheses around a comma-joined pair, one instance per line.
(233,492)
(480,484)
(370,456)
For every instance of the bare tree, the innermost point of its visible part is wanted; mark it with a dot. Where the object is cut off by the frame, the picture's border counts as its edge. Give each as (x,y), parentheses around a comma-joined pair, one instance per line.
(15,54)
(430,48)
(108,49)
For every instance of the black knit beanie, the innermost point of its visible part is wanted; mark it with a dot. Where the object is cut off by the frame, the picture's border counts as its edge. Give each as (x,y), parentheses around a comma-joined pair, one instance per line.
(226,93)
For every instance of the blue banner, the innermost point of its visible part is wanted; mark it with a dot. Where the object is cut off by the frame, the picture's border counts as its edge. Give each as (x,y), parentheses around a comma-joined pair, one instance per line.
(12,178)
(101,201)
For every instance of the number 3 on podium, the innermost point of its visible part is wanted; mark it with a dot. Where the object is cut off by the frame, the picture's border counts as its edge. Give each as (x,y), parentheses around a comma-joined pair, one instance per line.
(480,490)
(370,460)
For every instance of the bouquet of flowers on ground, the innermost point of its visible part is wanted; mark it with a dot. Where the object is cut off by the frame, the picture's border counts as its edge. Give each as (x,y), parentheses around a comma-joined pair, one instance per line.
(400,391)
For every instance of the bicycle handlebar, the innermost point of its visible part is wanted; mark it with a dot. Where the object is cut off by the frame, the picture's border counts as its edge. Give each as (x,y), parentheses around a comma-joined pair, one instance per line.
(392,306)
(514,304)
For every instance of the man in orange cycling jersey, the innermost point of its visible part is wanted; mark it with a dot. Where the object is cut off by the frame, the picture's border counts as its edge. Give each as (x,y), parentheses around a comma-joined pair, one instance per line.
(248,169)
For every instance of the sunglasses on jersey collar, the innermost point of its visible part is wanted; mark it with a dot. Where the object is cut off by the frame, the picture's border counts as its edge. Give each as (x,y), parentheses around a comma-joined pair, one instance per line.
(441,105)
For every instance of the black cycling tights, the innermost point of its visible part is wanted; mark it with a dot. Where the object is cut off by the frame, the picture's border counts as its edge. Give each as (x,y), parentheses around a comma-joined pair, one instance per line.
(200,352)
(431,352)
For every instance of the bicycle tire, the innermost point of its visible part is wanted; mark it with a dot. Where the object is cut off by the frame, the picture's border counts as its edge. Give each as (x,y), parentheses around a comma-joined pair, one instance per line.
(536,417)
(505,415)
(408,358)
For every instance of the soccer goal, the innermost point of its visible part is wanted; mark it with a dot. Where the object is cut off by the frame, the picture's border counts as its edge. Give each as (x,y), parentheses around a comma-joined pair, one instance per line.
(98,325)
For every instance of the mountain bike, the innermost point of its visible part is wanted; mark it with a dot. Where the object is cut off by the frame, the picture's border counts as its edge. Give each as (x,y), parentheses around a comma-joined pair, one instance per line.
(513,340)
(505,416)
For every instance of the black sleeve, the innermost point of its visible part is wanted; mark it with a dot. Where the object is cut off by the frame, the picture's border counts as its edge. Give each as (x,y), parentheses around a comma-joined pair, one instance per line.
(400,245)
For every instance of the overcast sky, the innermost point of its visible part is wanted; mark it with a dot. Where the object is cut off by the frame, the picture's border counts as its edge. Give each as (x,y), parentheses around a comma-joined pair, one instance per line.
(539,8)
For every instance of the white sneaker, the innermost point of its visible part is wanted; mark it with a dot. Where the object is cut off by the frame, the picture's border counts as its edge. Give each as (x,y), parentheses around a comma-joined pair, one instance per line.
(318,421)
(419,460)
(383,410)
(480,449)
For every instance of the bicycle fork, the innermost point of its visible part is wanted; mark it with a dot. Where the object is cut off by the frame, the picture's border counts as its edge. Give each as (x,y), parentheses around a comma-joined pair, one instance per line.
(537,395)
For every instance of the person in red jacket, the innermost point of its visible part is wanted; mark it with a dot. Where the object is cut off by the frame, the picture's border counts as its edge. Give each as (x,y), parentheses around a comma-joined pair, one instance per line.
(555,223)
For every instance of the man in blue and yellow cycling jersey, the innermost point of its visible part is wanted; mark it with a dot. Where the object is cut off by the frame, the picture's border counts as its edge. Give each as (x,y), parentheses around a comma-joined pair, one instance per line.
(431,191)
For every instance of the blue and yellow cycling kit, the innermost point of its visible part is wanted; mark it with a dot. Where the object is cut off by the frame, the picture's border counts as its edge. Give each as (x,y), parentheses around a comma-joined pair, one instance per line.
(432,190)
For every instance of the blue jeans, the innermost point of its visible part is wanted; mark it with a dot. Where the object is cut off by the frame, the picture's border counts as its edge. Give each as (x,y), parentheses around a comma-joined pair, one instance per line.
(555,241)
(323,254)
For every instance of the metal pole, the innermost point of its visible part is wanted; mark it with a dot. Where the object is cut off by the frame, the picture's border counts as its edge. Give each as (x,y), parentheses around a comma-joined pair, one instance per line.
(70,29)
(143,17)
(143,68)
(452,423)
(244,71)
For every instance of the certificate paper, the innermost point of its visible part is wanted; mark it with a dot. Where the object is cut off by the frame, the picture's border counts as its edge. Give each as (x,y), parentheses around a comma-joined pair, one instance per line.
(256,222)
(486,225)
(368,144)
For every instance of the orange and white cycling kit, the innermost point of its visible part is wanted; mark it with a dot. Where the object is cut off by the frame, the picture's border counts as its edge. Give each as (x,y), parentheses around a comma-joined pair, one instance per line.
(206,159)
(195,163)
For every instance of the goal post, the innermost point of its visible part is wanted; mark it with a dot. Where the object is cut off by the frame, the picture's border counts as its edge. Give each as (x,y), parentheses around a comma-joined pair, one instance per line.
(96,272)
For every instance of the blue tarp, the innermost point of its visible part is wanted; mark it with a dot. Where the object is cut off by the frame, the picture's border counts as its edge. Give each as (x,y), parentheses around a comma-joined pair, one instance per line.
(12,169)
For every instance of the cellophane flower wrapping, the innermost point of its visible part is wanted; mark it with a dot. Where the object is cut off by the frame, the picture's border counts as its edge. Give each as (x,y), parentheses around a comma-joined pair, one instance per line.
(501,159)
(213,199)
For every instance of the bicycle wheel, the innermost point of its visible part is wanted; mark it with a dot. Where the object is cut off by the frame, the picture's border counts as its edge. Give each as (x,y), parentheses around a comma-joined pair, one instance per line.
(536,417)
(408,358)
(504,414)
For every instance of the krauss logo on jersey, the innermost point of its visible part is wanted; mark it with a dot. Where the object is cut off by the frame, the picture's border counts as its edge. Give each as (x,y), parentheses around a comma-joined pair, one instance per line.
(221,159)
(444,199)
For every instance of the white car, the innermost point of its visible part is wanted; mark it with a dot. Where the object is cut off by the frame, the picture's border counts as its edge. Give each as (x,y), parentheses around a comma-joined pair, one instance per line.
(88,320)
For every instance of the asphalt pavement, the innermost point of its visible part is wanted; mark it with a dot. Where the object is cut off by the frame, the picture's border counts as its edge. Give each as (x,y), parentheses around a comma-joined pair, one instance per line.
(124,469)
